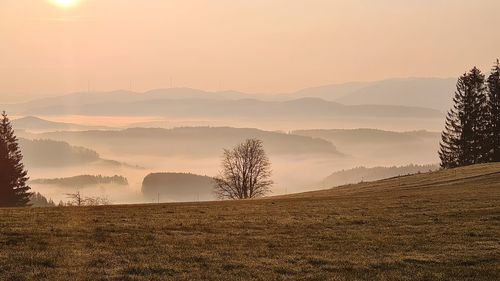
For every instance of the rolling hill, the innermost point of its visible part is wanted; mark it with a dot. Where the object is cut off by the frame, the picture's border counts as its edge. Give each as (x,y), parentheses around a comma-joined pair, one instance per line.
(194,141)
(180,187)
(433,93)
(368,136)
(242,108)
(35,124)
(73,102)
(409,97)
(410,92)
(82,181)
(417,103)
(45,153)
(430,92)
(435,226)
(471,179)
(363,174)
(330,92)
(49,153)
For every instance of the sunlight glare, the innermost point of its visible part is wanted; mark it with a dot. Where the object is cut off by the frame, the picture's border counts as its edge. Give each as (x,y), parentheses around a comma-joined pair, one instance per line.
(64,3)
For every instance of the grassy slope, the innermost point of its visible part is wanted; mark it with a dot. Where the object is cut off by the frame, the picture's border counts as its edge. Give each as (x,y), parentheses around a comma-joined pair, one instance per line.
(438,226)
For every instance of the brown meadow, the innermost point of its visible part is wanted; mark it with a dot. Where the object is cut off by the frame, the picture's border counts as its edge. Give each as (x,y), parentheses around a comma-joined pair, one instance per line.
(437,226)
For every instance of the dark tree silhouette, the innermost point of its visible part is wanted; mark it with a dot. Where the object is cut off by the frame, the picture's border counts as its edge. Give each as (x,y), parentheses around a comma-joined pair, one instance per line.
(14,191)
(494,113)
(463,138)
(83,180)
(38,200)
(76,199)
(246,172)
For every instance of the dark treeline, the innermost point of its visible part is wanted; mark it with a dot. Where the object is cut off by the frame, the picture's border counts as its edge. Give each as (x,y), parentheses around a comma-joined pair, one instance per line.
(14,191)
(38,200)
(178,187)
(83,181)
(472,132)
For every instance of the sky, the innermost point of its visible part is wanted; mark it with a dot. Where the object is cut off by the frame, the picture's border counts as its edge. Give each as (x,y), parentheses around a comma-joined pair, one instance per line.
(258,46)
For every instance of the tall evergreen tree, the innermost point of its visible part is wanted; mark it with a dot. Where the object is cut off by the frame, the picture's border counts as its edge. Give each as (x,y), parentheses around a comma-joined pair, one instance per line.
(462,141)
(14,191)
(480,116)
(494,113)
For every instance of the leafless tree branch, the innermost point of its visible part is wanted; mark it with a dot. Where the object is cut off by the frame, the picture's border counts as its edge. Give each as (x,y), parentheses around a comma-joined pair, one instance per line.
(246,172)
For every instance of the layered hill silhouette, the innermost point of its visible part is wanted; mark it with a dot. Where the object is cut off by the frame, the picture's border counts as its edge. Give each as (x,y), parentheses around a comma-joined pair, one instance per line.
(368,136)
(194,141)
(35,124)
(242,108)
(46,153)
(375,147)
(422,92)
(433,93)
(50,153)
(411,97)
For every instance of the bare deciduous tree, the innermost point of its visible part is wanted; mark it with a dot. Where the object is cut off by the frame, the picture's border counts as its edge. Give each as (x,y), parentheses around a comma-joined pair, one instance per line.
(76,199)
(96,201)
(246,172)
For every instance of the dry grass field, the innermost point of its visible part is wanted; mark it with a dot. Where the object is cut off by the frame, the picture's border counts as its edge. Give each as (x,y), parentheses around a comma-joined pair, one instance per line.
(438,226)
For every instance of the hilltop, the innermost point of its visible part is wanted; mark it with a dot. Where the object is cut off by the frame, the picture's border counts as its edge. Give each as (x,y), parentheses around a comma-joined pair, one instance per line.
(82,181)
(242,108)
(43,153)
(178,187)
(433,93)
(476,178)
(35,124)
(363,174)
(442,225)
(404,103)
(193,141)
(423,92)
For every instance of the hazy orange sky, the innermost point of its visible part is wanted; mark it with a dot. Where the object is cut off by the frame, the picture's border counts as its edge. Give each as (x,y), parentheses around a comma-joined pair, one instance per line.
(247,45)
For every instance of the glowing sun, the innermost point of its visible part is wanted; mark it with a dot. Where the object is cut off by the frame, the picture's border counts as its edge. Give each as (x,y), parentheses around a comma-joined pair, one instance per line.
(64,3)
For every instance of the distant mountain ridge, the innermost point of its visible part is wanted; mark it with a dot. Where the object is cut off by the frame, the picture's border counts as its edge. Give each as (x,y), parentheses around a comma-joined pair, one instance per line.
(432,93)
(304,108)
(364,136)
(435,93)
(78,99)
(35,124)
(330,92)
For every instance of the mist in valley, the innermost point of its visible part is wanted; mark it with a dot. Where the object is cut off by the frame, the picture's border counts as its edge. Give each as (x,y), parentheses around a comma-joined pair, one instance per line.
(249,140)
(308,135)
(134,147)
